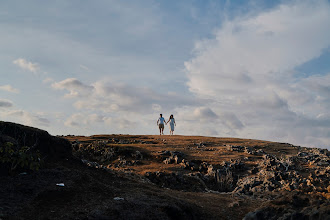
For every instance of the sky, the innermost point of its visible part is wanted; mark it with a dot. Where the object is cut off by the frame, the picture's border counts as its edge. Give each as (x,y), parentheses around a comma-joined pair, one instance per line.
(253,69)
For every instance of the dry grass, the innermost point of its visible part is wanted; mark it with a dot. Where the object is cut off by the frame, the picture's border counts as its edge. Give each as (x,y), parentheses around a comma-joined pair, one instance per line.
(213,151)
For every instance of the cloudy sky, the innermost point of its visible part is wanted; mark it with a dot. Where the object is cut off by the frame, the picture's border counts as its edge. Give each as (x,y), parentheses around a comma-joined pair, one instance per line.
(249,69)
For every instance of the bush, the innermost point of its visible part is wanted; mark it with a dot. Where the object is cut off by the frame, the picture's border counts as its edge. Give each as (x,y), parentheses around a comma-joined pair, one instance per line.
(225,182)
(18,160)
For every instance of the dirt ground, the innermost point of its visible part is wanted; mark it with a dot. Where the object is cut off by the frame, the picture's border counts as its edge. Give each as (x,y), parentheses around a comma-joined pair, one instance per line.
(90,193)
(213,150)
(111,189)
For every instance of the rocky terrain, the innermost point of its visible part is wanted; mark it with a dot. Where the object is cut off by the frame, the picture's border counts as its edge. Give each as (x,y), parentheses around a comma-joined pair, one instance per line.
(160,177)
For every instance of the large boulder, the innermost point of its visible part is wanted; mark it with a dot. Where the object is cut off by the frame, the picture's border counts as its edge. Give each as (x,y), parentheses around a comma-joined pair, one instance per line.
(50,147)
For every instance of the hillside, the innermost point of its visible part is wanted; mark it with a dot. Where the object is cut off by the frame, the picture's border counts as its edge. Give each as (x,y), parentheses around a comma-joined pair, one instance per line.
(164,177)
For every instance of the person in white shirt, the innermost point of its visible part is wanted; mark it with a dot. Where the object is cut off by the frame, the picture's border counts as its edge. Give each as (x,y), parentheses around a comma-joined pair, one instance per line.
(160,123)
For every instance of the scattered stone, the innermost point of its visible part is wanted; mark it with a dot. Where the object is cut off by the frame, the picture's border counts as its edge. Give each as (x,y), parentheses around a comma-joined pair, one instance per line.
(235,148)
(186,182)
(172,157)
(137,155)
(234,204)
(124,141)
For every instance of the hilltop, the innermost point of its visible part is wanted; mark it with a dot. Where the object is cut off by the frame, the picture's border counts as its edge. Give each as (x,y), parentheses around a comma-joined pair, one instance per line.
(163,177)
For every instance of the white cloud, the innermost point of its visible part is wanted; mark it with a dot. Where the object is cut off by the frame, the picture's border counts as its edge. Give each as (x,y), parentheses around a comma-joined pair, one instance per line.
(231,121)
(204,113)
(84,68)
(48,80)
(5,103)
(74,120)
(110,97)
(9,88)
(74,86)
(85,121)
(121,123)
(156,107)
(27,65)
(248,72)
(26,118)
(118,107)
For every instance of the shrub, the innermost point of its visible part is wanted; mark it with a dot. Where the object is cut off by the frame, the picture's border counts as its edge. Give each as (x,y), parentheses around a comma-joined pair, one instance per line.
(225,182)
(18,159)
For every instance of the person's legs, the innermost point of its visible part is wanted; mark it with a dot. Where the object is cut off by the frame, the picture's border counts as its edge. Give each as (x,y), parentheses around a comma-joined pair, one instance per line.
(161,129)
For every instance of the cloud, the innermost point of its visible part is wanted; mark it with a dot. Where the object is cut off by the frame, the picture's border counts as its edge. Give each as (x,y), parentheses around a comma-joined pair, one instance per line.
(84,68)
(74,86)
(110,97)
(231,121)
(243,52)
(26,65)
(9,88)
(85,120)
(5,103)
(121,123)
(227,119)
(205,113)
(119,107)
(80,119)
(248,70)
(48,80)
(26,118)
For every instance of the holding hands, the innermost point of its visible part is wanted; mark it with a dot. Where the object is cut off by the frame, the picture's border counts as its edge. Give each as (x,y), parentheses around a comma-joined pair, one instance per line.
(161,122)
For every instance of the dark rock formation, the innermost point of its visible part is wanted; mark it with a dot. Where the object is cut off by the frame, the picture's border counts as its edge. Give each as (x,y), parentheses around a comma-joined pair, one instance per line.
(248,150)
(49,146)
(294,206)
(171,157)
(185,182)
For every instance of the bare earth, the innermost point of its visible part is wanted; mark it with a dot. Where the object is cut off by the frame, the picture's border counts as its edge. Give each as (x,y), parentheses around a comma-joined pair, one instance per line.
(171,177)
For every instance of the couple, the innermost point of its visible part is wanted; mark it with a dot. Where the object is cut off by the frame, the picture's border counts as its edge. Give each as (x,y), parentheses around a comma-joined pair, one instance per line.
(161,121)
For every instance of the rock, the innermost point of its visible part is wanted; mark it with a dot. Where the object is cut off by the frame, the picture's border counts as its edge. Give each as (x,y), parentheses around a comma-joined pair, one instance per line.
(302,154)
(124,141)
(260,152)
(165,153)
(169,160)
(234,204)
(174,157)
(237,165)
(137,155)
(252,151)
(91,164)
(293,206)
(254,170)
(186,182)
(260,214)
(75,145)
(210,170)
(49,146)
(177,159)
(235,148)
(200,145)
(203,167)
